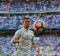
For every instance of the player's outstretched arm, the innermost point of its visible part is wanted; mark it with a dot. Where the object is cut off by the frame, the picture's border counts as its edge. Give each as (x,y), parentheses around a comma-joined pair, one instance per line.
(34,45)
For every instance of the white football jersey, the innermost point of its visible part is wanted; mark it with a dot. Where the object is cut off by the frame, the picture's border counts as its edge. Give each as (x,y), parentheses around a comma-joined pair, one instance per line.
(23,49)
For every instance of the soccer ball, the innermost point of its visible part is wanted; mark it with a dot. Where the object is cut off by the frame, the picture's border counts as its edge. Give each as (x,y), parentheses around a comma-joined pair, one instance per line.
(39,26)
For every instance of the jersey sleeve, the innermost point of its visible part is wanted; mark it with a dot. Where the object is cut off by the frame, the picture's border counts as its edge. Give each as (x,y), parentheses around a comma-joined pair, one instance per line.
(16,36)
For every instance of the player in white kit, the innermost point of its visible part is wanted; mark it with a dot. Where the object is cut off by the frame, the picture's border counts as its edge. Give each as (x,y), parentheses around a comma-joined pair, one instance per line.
(23,39)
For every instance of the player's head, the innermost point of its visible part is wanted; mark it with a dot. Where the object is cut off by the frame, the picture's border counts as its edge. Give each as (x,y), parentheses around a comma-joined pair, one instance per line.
(26,22)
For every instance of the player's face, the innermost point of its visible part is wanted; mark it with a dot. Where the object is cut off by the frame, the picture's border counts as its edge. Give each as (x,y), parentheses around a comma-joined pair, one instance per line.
(26,23)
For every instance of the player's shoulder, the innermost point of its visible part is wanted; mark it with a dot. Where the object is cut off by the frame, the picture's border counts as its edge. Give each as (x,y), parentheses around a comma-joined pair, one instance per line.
(19,30)
(31,31)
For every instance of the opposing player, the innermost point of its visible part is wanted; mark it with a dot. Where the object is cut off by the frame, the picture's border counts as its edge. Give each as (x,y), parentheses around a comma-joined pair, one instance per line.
(24,39)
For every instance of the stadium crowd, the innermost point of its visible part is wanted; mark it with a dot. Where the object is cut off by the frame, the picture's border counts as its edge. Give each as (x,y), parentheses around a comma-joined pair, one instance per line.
(3,6)
(43,5)
(34,6)
(15,22)
(7,48)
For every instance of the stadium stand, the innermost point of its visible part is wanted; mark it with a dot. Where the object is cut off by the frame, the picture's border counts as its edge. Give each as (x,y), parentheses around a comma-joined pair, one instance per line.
(15,22)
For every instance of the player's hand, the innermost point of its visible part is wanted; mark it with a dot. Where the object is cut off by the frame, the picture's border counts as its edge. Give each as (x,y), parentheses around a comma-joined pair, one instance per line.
(38,52)
(21,40)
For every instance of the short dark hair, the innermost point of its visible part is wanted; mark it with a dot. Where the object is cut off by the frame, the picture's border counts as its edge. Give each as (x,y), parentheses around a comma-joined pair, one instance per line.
(25,18)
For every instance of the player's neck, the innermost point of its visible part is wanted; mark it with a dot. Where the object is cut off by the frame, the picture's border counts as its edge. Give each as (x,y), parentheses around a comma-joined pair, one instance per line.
(26,28)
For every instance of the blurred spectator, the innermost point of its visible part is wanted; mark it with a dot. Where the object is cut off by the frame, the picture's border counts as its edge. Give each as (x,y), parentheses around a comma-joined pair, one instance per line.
(49,50)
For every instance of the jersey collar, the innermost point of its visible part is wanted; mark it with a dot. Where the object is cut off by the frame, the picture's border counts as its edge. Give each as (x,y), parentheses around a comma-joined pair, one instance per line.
(25,29)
